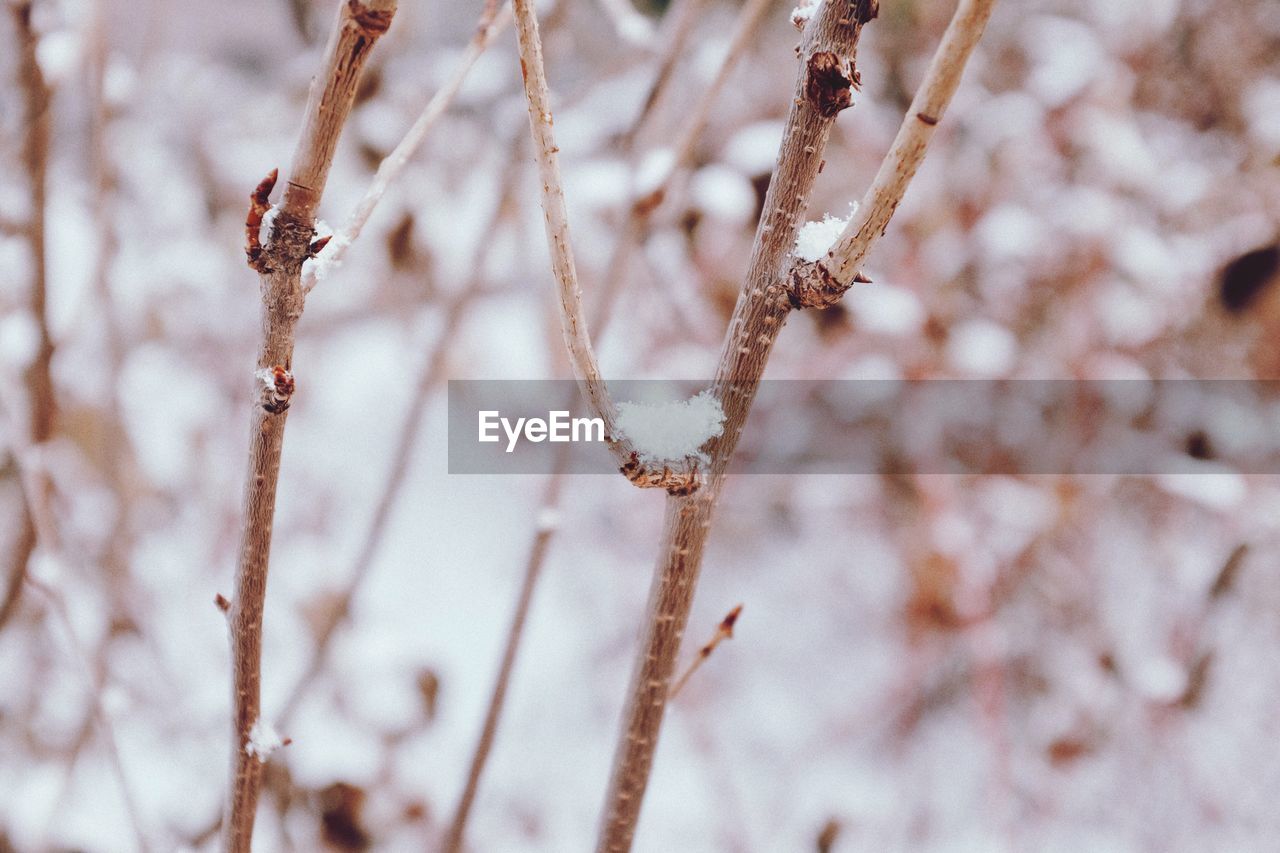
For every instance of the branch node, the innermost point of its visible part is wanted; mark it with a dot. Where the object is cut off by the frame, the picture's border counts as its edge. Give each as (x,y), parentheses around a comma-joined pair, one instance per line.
(828,85)
(277,389)
(259,204)
(811,285)
(681,481)
(374,22)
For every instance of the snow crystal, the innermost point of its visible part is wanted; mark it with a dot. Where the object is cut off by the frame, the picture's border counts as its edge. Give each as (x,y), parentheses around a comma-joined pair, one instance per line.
(815,239)
(264,230)
(327,261)
(667,431)
(263,740)
(805,10)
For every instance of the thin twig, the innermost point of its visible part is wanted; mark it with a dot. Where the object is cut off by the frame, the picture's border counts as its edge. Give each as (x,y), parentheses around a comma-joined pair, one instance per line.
(358,27)
(822,283)
(724,631)
(541,545)
(41,404)
(545,533)
(492,22)
(679,20)
(680,476)
(826,76)
(430,376)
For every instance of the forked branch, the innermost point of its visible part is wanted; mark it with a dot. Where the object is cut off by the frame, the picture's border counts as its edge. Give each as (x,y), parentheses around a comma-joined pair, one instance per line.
(680,476)
(822,283)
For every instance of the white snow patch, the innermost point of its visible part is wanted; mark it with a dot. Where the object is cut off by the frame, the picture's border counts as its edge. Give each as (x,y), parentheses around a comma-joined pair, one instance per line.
(886,310)
(982,349)
(815,239)
(723,193)
(264,229)
(548,520)
(655,169)
(805,10)
(666,431)
(263,740)
(1218,488)
(754,148)
(323,264)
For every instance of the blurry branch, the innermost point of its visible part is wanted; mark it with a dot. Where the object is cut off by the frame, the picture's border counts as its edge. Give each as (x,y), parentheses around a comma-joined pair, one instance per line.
(547,524)
(822,283)
(641,210)
(491,23)
(41,405)
(685,476)
(724,631)
(32,477)
(629,24)
(545,532)
(679,20)
(430,376)
(358,27)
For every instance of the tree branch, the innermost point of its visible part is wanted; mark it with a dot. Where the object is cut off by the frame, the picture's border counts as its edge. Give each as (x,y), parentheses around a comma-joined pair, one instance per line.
(38,377)
(823,87)
(822,283)
(492,22)
(680,476)
(358,28)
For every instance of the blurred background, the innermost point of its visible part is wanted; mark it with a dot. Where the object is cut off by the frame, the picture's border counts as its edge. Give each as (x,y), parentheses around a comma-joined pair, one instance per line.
(922,662)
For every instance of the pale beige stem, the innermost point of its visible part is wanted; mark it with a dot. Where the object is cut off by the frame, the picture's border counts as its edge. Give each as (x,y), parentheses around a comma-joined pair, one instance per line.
(491,24)
(680,476)
(358,28)
(822,283)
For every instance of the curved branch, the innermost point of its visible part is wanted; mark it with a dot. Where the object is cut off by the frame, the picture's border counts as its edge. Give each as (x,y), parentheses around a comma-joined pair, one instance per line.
(679,477)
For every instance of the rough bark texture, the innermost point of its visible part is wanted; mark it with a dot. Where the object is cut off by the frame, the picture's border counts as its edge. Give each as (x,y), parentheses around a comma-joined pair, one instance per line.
(822,89)
(822,283)
(680,476)
(280,266)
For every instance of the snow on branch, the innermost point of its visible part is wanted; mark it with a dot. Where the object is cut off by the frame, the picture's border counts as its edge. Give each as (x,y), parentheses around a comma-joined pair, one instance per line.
(682,478)
(492,23)
(817,282)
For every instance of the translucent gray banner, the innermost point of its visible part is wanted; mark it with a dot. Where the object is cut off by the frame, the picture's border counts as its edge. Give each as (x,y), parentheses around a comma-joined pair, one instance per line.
(879,426)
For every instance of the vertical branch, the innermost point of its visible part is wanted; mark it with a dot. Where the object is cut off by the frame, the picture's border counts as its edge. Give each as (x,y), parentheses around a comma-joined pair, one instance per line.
(823,89)
(279,263)
(41,404)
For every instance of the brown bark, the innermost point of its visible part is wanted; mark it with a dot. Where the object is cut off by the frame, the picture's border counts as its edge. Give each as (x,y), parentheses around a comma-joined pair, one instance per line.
(826,75)
(279,263)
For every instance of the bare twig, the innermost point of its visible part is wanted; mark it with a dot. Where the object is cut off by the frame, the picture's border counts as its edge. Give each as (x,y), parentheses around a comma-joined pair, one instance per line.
(358,28)
(611,289)
(821,283)
(41,404)
(430,376)
(541,545)
(823,87)
(724,631)
(492,22)
(681,476)
(678,26)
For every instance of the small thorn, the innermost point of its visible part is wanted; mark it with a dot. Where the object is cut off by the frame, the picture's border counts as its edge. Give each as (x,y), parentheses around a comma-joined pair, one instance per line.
(318,244)
(220,601)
